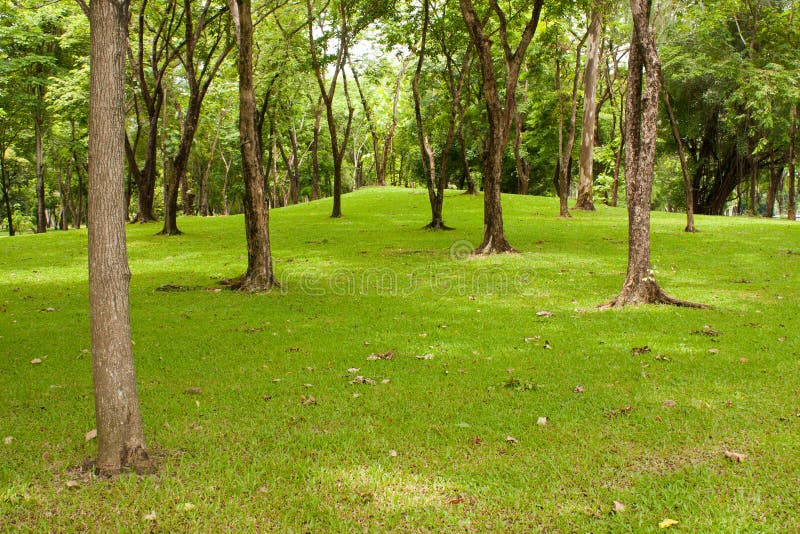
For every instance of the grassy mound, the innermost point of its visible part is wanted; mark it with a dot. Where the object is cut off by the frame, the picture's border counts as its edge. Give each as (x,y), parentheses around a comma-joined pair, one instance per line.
(394,383)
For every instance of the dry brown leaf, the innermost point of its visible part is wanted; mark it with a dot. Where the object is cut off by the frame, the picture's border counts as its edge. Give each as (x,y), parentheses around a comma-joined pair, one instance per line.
(307,401)
(579,389)
(90,435)
(543,314)
(151,516)
(388,355)
(618,507)
(73,484)
(713,351)
(510,439)
(36,361)
(8,440)
(542,421)
(667,523)
(669,403)
(194,391)
(393,453)
(427,356)
(735,456)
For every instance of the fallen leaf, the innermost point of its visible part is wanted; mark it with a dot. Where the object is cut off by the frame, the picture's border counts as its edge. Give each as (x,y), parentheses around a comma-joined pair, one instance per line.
(73,484)
(618,507)
(669,403)
(363,380)
(8,440)
(542,421)
(267,397)
(667,523)
(782,339)
(742,360)
(385,381)
(193,391)
(735,456)
(477,440)
(393,453)
(388,355)
(457,500)
(151,516)
(661,358)
(308,385)
(547,345)
(307,401)
(90,435)
(356,395)
(713,351)
(510,439)
(638,351)
(543,314)
(36,361)
(187,506)
(579,389)
(423,334)
(427,356)
(353,370)
(49,310)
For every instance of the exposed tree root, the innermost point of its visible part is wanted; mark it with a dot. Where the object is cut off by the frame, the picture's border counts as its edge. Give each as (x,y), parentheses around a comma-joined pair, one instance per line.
(174,231)
(252,283)
(494,246)
(436,226)
(647,292)
(133,458)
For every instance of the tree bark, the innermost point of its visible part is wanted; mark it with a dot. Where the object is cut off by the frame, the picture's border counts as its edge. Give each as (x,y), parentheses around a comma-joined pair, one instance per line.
(499,114)
(775,181)
(259,275)
(120,434)
(565,152)
(585,199)
(792,210)
(687,181)
(641,129)
(38,120)
(315,192)
(6,184)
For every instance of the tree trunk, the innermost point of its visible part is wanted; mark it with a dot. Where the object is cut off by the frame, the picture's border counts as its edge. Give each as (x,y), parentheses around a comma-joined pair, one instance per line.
(315,192)
(793,166)
(775,181)
(38,120)
(6,191)
(565,152)
(586,181)
(119,424)
(641,129)
(259,275)
(687,181)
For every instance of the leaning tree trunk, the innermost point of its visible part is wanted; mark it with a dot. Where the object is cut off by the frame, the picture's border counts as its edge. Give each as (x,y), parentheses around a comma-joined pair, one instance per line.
(586,180)
(119,423)
(687,181)
(259,275)
(641,129)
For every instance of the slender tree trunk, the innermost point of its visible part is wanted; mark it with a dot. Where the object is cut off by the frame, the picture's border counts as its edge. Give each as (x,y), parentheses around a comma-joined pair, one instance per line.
(259,275)
(315,192)
(6,191)
(775,180)
(565,165)
(586,180)
(294,178)
(38,120)
(641,129)
(119,423)
(523,167)
(793,166)
(687,181)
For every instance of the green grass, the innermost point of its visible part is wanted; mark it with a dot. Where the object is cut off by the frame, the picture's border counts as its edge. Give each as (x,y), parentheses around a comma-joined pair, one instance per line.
(247,455)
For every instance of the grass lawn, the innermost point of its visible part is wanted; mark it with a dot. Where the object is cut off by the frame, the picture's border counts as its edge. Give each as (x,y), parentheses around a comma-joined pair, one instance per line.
(253,408)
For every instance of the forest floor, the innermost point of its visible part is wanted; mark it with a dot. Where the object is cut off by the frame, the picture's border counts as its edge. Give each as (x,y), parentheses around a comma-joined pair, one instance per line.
(395,384)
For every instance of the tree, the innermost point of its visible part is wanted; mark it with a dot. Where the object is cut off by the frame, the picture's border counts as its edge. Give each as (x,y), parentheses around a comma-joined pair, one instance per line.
(201,56)
(259,275)
(586,180)
(500,113)
(641,128)
(120,434)
(338,144)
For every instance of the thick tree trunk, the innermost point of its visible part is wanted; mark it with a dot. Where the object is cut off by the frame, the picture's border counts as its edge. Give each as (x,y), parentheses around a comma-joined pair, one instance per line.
(792,209)
(259,275)
(641,129)
(586,181)
(119,424)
